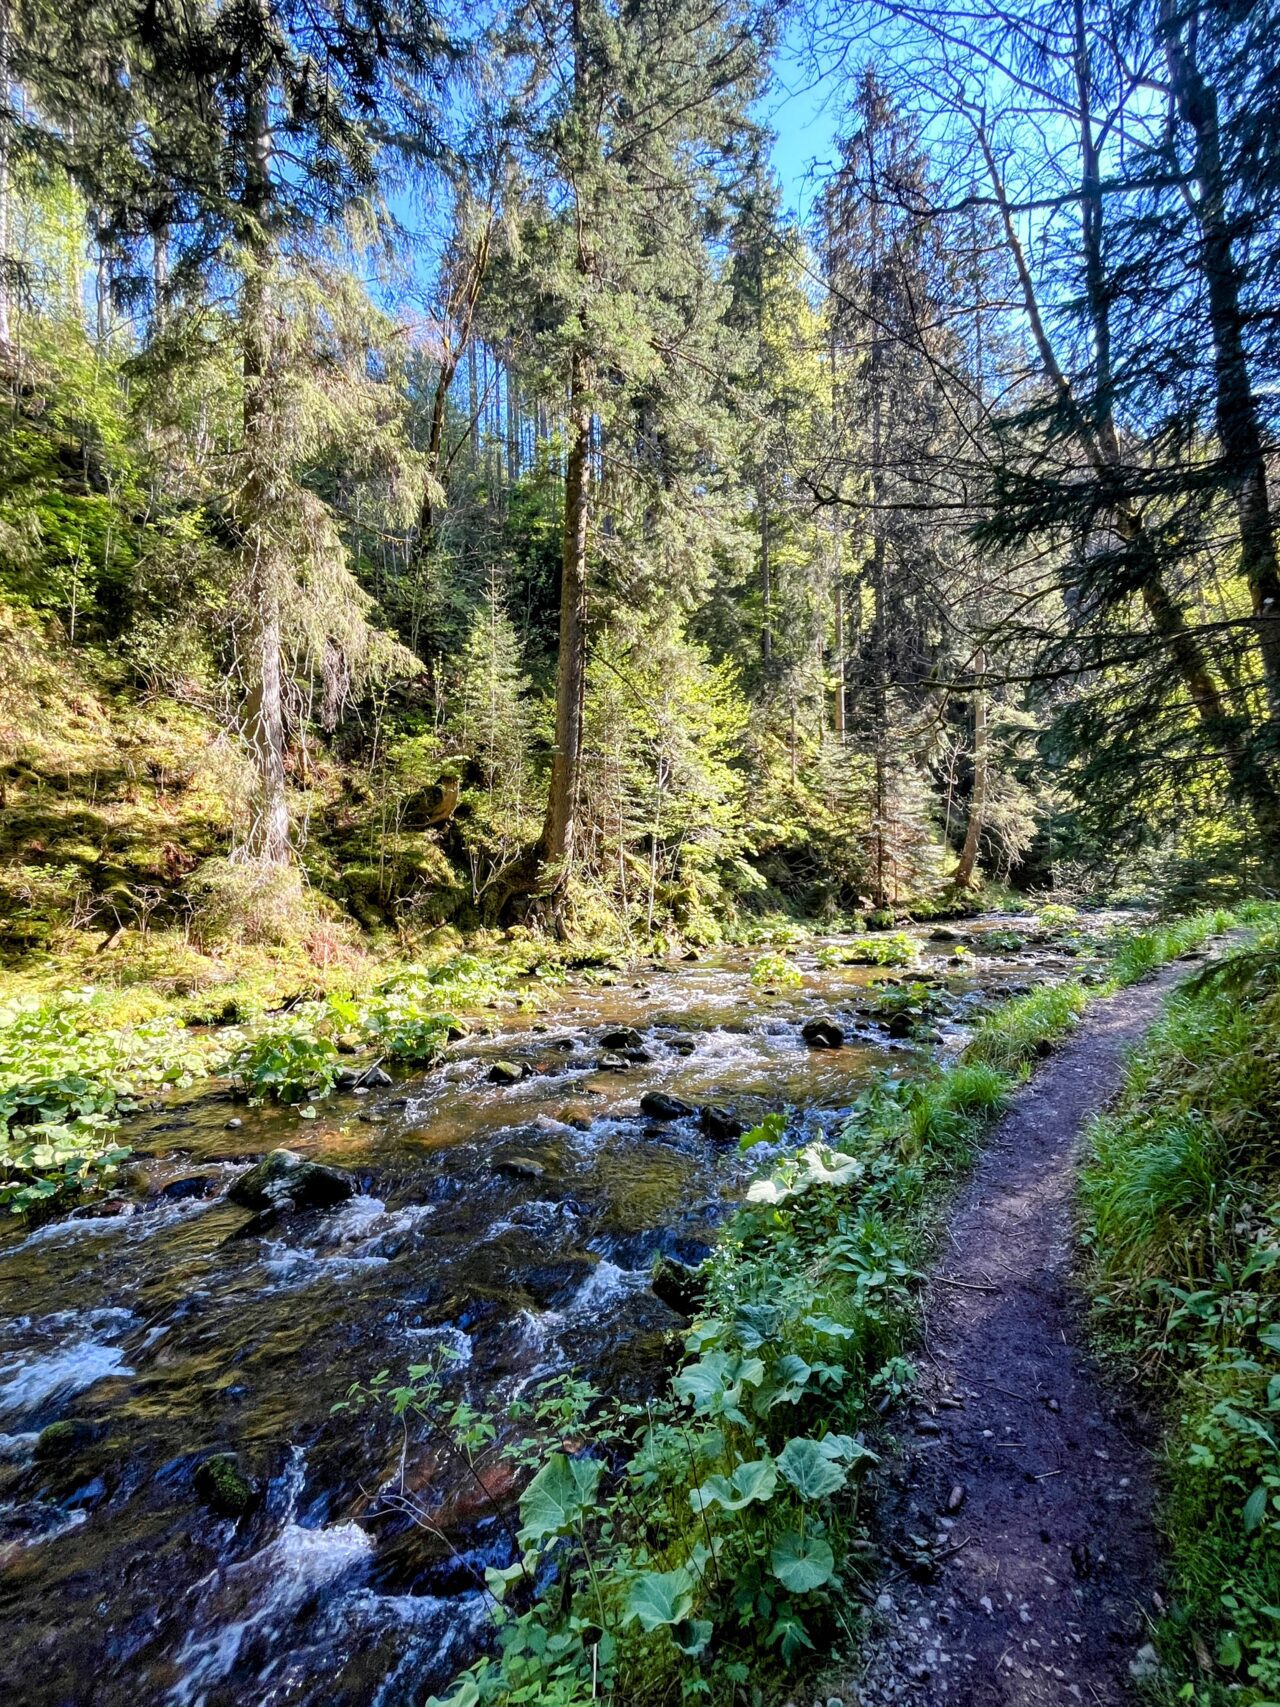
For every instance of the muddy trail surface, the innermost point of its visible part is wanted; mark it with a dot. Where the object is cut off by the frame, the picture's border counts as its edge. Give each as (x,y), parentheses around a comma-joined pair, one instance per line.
(508,1214)
(1018,1513)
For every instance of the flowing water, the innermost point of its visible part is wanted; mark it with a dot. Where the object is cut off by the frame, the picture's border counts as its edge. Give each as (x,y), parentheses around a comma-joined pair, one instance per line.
(514,1224)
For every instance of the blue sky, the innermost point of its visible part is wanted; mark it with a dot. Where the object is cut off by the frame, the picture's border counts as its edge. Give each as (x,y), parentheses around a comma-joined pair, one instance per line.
(804,116)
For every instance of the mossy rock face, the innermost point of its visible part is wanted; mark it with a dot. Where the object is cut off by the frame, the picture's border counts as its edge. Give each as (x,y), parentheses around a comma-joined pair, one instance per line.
(63,1439)
(223,1485)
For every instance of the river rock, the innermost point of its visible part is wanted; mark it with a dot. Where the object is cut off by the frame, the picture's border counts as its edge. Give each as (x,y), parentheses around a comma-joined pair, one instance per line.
(720,1124)
(638,1057)
(623,1037)
(223,1485)
(508,1072)
(105,1209)
(62,1439)
(659,1106)
(283,1175)
(901,1025)
(822,1034)
(942,934)
(518,1167)
(680,1287)
(611,1062)
(193,1185)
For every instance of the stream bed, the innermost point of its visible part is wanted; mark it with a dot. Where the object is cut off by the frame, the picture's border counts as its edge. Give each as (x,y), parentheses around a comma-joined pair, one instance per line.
(515,1224)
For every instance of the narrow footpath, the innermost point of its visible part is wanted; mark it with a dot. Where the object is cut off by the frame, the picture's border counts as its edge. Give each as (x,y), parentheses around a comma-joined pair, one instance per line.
(1023,1479)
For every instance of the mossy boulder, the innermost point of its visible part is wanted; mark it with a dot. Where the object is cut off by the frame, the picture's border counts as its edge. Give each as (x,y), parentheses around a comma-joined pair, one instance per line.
(63,1439)
(223,1485)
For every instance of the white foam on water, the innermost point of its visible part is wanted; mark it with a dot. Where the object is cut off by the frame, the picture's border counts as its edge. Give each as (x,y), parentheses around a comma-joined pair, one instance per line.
(258,1597)
(37,1382)
(442,1636)
(454,1337)
(293,1266)
(606,1285)
(138,1223)
(38,1523)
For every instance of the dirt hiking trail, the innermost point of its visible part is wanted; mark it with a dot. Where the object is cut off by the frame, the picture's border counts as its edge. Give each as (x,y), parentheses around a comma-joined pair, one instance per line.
(1026,1480)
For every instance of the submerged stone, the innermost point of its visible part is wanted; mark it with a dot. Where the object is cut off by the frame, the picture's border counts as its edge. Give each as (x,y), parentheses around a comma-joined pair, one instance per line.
(518,1167)
(508,1072)
(719,1123)
(62,1439)
(659,1106)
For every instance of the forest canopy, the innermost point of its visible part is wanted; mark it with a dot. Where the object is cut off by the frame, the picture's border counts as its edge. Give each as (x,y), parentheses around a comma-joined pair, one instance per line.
(446,480)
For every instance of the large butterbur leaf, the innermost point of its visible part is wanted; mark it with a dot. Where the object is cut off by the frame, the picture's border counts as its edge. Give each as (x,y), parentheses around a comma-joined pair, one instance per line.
(808,1468)
(749,1482)
(660,1597)
(557,1496)
(802,1563)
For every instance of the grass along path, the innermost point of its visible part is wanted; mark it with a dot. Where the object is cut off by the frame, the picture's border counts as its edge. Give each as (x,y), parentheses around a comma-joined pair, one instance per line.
(1020,1506)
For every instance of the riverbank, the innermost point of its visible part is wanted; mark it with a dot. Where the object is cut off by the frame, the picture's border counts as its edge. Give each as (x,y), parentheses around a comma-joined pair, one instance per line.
(507,1208)
(750,1551)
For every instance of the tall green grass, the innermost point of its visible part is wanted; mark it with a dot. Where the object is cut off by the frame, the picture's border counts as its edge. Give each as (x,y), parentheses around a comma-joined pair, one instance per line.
(1180,1206)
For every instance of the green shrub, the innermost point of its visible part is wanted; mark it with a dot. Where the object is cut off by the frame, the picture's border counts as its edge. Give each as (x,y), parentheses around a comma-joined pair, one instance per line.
(65,1081)
(777,970)
(288,1063)
(896,950)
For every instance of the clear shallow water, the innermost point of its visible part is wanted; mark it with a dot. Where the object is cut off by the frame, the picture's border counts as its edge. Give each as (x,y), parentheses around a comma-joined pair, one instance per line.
(173,1333)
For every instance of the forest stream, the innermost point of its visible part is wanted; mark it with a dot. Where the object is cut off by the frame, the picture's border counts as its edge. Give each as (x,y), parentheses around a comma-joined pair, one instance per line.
(515,1223)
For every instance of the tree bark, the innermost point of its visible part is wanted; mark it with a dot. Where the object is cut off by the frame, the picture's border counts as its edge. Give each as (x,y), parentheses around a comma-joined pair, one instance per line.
(261,660)
(556,844)
(6,265)
(766,573)
(1236,409)
(978,794)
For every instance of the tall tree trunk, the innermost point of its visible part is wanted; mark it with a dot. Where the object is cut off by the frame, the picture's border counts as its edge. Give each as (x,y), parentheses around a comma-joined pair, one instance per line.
(556,845)
(1229,734)
(1236,408)
(6,263)
(978,794)
(766,572)
(263,709)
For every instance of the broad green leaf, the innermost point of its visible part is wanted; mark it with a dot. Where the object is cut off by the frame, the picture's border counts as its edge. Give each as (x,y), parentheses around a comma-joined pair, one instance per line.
(790,1377)
(809,1470)
(554,1499)
(1255,1509)
(828,1325)
(660,1597)
(752,1481)
(845,1449)
(802,1563)
(715,1383)
(691,1635)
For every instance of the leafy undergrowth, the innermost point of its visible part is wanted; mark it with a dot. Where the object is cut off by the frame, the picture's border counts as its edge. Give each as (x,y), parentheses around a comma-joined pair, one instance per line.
(1181,1204)
(708,1544)
(74,1064)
